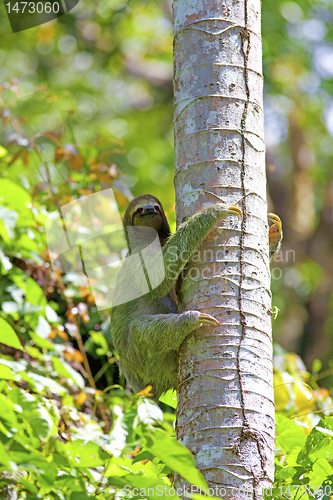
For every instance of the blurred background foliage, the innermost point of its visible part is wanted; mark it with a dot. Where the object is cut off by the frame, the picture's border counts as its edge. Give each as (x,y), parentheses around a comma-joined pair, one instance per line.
(86,104)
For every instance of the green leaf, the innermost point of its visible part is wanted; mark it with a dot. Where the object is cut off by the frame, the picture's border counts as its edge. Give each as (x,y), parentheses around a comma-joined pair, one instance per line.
(49,474)
(10,307)
(22,399)
(9,218)
(41,422)
(4,457)
(7,413)
(3,152)
(176,456)
(143,455)
(81,454)
(320,437)
(51,315)
(34,352)
(288,434)
(99,339)
(326,489)
(34,293)
(321,470)
(13,195)
(65,370)
(42,343)
(148,412)
(77,495)
(115,470)
(283,474)
(143,486)
(8,335)
(43,329)
(6,373)
(7,265)
(41,383)
(29,486)
(169,398)
(49,446)
(28,309)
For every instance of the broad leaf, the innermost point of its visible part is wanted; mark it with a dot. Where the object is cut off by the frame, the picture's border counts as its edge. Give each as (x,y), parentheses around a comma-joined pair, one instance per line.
(288,434)
(176,456)
(320,437)
(8,335)
(169,398)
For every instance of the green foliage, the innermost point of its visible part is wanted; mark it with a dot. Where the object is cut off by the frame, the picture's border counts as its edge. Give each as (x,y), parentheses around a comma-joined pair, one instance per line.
(303,464)
(304,435)
(55,450)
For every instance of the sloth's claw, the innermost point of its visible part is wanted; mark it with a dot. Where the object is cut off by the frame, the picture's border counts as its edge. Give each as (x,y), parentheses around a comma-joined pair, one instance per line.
(208,319)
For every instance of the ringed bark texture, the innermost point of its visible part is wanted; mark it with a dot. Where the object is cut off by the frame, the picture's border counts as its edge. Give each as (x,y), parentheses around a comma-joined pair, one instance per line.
(225,412)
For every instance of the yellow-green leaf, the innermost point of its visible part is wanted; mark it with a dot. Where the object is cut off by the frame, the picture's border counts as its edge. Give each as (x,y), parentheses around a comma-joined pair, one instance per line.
(8,335)
(6,373)
(3,152)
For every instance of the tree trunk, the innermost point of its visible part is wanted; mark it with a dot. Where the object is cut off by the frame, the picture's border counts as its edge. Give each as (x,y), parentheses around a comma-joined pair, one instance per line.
(225,412)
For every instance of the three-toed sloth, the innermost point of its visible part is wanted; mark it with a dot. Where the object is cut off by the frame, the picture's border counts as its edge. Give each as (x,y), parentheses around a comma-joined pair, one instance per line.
(148,331)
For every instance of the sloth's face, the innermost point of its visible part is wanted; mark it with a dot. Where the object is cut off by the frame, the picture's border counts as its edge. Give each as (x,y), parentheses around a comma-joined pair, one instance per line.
(147,213)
